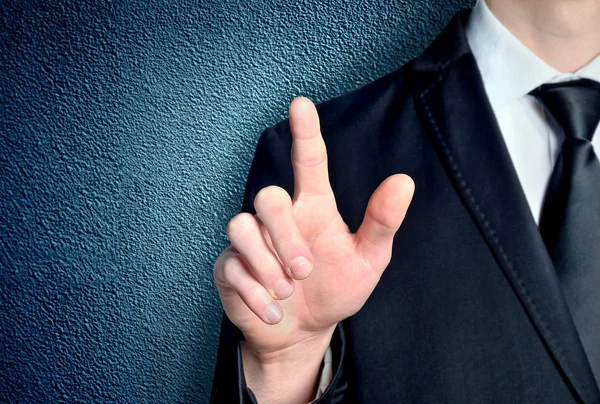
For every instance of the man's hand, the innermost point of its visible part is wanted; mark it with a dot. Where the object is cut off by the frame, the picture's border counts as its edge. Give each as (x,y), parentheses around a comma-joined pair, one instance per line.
(294,270)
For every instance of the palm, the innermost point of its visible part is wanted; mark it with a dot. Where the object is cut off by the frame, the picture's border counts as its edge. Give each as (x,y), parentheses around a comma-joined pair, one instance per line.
(341,280)
(345,267)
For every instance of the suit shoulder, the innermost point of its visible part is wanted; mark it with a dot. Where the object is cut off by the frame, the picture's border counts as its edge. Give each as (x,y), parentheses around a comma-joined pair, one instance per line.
(392,86)
(372,99)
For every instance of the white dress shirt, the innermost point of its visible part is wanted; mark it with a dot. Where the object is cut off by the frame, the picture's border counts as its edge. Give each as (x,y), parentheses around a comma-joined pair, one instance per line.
(510,71)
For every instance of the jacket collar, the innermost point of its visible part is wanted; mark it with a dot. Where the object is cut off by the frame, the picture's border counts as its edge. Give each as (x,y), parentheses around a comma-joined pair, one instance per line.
(454,107)
(447,48)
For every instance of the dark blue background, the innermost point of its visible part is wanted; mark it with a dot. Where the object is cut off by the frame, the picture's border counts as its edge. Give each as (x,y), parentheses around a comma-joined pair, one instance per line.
(126,131)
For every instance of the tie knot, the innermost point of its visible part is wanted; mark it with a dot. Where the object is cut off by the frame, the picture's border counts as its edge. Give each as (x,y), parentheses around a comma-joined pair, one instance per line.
(574,106)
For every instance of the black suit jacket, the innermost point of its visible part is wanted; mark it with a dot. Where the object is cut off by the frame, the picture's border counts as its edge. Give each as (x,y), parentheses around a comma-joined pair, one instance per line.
(469,309)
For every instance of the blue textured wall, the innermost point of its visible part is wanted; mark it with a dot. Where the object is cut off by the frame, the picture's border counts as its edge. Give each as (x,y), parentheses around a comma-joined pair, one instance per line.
(126,131)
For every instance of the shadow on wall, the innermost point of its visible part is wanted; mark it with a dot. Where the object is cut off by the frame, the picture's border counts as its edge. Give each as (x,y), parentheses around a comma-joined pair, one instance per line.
(126,131)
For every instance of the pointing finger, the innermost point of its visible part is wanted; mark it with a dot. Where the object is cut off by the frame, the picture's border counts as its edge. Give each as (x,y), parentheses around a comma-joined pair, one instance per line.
(309,156)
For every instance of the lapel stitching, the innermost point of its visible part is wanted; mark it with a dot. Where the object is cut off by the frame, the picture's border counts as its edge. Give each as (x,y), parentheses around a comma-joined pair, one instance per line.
(491,234)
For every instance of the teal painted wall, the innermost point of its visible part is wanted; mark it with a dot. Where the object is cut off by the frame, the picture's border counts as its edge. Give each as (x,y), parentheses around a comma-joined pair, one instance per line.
(126,131)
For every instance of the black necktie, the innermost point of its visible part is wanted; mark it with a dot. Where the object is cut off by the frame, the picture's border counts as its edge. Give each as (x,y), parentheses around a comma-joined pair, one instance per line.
(570,221)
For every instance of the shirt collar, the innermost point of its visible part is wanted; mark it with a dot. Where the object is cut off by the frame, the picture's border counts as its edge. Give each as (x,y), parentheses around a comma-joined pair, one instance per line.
(508,68)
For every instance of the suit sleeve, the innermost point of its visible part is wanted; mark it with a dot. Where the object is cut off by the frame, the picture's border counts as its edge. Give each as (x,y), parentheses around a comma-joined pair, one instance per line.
(271,166)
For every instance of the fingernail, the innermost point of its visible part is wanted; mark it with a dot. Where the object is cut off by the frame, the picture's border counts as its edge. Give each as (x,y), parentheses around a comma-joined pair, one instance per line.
(300,268)
(273,313)
(283,289)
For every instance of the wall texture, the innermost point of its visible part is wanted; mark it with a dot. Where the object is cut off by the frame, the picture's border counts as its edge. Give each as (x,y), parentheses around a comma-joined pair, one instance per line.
(126,131)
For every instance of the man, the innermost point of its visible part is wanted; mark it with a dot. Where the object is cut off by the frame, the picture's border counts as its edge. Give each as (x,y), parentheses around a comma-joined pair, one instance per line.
(477,304)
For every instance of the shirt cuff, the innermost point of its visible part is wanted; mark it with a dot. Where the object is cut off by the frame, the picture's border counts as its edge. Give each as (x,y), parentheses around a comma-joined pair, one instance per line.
(326,373)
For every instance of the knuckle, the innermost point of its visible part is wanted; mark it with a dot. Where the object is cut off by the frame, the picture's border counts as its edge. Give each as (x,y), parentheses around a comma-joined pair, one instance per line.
(254,292)
(271,198)
(230,270)
(269,271)
(385,214)
(239,224)
(287,236)
(218,266)
(313,155)
(272,267)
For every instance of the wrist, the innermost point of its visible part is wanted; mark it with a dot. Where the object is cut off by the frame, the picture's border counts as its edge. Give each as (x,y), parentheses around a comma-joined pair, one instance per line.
(289,375)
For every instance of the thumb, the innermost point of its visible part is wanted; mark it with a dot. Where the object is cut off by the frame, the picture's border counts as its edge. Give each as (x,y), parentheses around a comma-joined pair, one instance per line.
(385,213)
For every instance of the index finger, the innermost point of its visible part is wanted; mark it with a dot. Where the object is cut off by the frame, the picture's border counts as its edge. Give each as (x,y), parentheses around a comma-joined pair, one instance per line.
(309,155)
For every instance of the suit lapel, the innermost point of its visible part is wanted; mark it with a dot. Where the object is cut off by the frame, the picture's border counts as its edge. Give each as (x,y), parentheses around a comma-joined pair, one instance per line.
(456,111)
